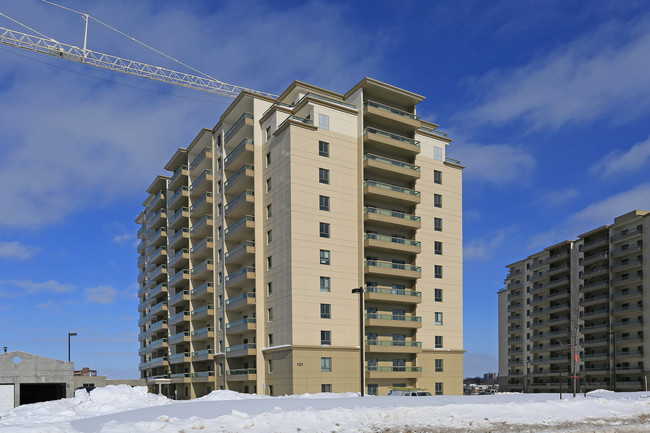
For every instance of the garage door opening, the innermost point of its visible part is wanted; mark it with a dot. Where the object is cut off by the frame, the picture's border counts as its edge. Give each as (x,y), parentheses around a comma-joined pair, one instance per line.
(38,392)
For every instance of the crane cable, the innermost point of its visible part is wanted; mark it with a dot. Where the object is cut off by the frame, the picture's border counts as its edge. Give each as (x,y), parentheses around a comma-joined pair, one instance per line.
(133,39)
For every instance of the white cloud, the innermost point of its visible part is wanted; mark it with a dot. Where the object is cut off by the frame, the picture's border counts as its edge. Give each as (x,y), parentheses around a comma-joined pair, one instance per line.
(497,164)
(101,294)
(14,288)
(557,198)
(123,238)
(47,305)
(617,162)
(484,248)
(601,74)
(595,215)
(16,250)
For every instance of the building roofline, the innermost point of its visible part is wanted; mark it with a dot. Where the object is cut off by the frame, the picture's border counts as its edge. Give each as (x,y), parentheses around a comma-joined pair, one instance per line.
(367,81)
(310,87)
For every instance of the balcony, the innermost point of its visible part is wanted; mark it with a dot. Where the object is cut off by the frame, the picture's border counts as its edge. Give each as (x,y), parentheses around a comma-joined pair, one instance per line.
(240,326)
(179,218)
(390,269)
(160,307)
(389,218)
(181,276)
(241,375)
(160,343)
(239,181)
(204,291)
(241,350)
(179,358)
(390,168)
(202,161)
(628,264)
(626,279)
(179,338)
(158,238)
(391,143)
(393,321)
(628,235)
(203,249)
(183,316)
(182,296)
(202,355)
(140,232)
(157,362)
(402,372)
(392,295)
(240,302)
(392,346)
(202,184)
(602,241)
(180,258)
(240,129)
(203,270)
(241,205)
(204,311)
(202,206)
(241,277)
(158,219)
(240,155)
(241,230)
(556,296)
(203,376)
(141,247)
(156,201)
(625,250)
(159,274)
(202,228)
(391,243)
(242,253)
(178,199)
(594,258)
(175,181)
(179,238)
(383,191)
(391,117)
(160,325)
(203,333)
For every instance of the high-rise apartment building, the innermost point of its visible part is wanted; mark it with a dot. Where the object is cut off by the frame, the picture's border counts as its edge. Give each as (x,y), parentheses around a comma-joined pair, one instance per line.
(578,311)
(252,246)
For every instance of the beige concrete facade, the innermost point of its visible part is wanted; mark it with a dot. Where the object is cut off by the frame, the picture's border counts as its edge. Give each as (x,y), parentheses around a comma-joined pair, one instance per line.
(251,247)
(587,298)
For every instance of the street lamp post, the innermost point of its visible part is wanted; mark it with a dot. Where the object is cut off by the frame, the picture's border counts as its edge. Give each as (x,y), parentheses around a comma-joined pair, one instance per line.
(70,334)
(359,290)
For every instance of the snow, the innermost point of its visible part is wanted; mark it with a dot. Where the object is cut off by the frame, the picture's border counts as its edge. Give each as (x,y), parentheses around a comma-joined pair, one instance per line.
(125,409)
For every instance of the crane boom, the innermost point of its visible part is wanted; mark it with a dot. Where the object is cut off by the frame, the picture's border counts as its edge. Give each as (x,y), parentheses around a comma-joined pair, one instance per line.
(82,55)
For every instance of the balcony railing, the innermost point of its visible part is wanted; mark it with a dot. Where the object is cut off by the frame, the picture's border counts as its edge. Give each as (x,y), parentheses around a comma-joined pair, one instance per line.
(390,109)
(177,215)
(197,204)
(236,126)
(240,322)
(178,173)
(200,179)
(236,175)
(177,194)
(201,223)
(238,248)
(200,288)
(177,235)
(391,213)
(398,317)
(241,347)
(242,271)
(239,222)
(389,187)
(391,265)
(203,352)
(389,161)
(241,297)
(393,343)
(391,136)
(235,201)
(404,292)
(200,245)
(397,369)
(434,131)
(241,371)
(178,254)
(392,239)
(297,119)
(199,157)
(235,152)
(202,309)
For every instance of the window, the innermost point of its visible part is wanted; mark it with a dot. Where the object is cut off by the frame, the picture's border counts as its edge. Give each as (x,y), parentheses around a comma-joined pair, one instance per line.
(438,341)
(268,184)
(269,236)
(270,390)
(399,365)
(270,340)
(269,211)
(324,284)
(268,132)
(437,295)
(437,200)
(325,338)
(437,176)
(326,387)
(324,122)
(438,388)
(220,323)
(269,313)
(269,288)
(323,175)
(326,364)
(373,389)
(268,159)
(325,311)
(269,263)
(219,301)
(324,230)
(324,203)
(270,366)
(438,363)
(437,248)
(437,318)
(437,224)
(437,153)
(437,271)
(324,257)
(324,148)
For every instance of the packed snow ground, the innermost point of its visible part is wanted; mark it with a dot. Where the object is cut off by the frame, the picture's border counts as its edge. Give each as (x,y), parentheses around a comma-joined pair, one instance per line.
(125,409)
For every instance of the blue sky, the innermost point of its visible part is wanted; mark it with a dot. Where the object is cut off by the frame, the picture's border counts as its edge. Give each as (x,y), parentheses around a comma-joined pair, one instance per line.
(548,103)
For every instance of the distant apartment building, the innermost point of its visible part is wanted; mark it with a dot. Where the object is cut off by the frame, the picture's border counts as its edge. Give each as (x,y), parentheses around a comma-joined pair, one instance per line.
(252,245)
(579,310)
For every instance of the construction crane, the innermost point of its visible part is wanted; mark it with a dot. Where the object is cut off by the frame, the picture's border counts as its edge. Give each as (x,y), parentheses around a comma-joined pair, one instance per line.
(45,45)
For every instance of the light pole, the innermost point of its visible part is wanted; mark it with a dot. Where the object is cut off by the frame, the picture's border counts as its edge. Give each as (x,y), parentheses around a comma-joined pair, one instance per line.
(359,290)
(70,334)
